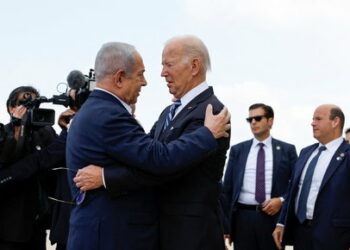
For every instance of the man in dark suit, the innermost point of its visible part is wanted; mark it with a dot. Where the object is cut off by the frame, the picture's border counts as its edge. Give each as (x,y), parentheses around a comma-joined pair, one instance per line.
(256,181)
(189,199)
(105,133)
(316,214)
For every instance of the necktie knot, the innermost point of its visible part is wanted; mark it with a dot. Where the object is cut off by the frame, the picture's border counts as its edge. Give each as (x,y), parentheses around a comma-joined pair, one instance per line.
(322,148)
(261,145)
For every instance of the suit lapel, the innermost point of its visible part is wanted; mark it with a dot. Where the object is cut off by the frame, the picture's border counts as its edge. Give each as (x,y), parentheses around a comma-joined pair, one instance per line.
(160,124)
(276,156)
(192,105)
(184,112)
(336,161)
(243,162)
(301,164)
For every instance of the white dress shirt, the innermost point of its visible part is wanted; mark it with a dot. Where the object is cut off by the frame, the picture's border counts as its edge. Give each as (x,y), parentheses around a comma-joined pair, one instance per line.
(247,195)
(190,95)
(320,170)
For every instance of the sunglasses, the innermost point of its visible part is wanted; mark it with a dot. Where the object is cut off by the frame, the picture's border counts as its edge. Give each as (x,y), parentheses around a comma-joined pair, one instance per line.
(256,118)
(78,198)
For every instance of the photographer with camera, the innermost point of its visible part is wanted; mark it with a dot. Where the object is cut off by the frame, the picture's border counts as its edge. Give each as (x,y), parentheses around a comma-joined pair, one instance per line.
(25,211)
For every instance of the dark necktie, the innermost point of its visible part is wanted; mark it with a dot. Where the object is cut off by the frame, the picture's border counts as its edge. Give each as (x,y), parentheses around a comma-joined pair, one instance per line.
(305,189)
(260,175)
(171,113)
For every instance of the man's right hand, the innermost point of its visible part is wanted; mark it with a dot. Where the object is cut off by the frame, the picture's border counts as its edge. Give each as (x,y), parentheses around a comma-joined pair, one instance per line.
(277,236)
(217,124)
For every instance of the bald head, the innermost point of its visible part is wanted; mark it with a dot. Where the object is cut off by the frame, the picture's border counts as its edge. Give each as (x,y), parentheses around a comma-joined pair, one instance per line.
(192,47)
(328,122)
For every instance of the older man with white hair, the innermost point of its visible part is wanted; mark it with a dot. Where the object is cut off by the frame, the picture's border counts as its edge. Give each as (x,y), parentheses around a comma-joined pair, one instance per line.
(105,133)
(188,199)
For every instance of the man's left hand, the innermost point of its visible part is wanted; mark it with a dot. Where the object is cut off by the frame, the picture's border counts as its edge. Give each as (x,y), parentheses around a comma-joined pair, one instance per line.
(89,178)
(273,206)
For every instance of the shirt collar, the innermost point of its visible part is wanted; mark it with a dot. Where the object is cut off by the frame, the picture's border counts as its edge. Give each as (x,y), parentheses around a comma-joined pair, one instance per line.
(267,142)
(333,145)
(127,107)
(190,95)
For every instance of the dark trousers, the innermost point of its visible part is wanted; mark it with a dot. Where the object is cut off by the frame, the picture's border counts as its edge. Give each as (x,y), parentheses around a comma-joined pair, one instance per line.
(303,237)
(252,230)
(37,242)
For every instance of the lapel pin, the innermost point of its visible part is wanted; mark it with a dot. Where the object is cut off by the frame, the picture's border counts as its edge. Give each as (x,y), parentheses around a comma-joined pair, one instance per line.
(341,156)
(171,128)
(189,107)
(278,148)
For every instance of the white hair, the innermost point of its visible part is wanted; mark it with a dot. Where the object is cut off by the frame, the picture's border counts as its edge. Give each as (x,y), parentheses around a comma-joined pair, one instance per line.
(193,47)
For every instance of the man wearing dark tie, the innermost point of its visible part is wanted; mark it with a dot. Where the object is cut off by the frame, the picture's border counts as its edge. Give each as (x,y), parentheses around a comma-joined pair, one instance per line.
(188,200)
(255,183)
(105,133)
(316,214)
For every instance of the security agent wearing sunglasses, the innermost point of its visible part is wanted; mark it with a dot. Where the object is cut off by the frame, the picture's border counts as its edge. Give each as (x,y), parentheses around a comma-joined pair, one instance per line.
(24,183)
(255,183)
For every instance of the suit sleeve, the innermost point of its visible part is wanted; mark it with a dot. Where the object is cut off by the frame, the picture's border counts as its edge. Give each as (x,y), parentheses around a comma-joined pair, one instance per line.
(283,215)
(292,156)
(228,189)
(126,142)
(49,157)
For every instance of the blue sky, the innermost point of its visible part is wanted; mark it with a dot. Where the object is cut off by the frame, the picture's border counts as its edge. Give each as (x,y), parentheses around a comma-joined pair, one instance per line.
(291,54)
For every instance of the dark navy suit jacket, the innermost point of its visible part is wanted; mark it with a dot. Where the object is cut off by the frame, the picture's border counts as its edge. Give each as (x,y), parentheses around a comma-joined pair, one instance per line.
(331,219)
(188,198)
(105,134)
(284,157)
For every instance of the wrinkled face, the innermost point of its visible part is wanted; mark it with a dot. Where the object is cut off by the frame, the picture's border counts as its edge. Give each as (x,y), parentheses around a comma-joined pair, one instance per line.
(260,128)
(135,81)
(322,126)
(176,70)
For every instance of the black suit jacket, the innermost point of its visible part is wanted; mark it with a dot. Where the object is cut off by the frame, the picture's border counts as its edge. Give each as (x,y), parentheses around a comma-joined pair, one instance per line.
(23,194)
(284,157)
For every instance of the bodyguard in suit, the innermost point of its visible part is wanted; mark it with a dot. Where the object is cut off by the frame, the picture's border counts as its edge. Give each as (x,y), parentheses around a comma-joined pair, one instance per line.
(316,214)
(256,181)
(189,199)
(105,133)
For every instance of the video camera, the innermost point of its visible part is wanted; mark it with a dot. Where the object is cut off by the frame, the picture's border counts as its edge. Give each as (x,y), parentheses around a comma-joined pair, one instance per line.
(82,86)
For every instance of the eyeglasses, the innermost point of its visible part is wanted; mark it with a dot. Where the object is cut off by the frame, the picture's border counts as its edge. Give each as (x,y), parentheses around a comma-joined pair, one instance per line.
(256,118)
(78,198)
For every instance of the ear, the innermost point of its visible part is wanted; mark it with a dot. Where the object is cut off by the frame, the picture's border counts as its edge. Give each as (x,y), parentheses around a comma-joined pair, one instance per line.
(270,122)
(118,78)
(195,66)
(335,122)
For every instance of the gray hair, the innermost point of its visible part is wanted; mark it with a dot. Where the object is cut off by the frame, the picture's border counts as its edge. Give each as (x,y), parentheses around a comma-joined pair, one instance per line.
(193,47)
(114,56)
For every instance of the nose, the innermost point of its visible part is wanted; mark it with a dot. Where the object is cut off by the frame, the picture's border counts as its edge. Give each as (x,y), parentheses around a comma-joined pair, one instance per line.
(144,83)
(164,73)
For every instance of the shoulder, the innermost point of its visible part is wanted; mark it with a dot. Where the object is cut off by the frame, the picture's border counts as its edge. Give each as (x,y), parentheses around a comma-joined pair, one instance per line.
(239,146)
(283,144)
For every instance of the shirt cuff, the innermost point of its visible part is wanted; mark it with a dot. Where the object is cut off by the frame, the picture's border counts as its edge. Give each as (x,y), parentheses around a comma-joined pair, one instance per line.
(103,178)
(280,225)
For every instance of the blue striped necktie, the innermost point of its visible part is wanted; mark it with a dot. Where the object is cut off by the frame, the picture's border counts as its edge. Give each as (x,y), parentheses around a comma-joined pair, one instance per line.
(305,189)
(171,113)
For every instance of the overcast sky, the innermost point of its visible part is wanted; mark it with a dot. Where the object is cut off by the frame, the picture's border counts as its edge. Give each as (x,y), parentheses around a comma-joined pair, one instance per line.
(291,54)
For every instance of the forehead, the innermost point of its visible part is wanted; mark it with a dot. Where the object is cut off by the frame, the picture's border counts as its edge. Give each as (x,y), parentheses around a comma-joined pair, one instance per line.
(172,50)
(138,62)
(257,111)
(322,111)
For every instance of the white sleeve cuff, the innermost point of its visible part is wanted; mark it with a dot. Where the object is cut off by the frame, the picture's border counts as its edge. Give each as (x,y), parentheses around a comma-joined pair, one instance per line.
(103,178)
